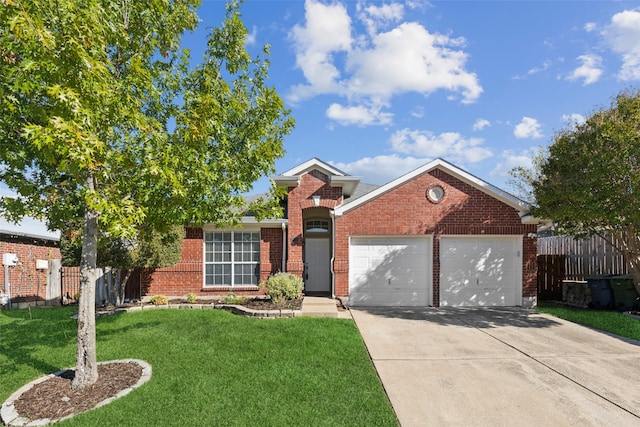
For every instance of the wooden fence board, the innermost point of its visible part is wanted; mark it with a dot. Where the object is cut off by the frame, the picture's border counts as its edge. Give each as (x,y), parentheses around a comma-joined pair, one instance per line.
(584,257)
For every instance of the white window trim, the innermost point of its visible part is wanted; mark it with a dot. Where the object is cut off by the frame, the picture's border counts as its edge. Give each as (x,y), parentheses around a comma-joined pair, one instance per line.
(232,262)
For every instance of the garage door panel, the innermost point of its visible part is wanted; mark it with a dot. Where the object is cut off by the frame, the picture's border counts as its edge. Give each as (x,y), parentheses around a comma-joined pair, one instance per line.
(391,271)
(480,271)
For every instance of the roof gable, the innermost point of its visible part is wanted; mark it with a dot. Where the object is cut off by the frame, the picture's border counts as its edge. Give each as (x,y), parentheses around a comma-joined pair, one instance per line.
(337,178)
(312,164)
(448,168)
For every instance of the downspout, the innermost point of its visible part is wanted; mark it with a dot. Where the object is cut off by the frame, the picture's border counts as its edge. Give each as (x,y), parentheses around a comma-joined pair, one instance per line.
(284,247)
(332,214)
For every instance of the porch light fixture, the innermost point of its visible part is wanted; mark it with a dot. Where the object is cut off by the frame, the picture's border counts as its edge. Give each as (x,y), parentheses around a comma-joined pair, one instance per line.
(316,200)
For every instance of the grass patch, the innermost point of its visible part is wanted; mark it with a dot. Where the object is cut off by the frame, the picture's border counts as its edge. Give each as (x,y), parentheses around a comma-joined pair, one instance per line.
(609,321)
(209,367)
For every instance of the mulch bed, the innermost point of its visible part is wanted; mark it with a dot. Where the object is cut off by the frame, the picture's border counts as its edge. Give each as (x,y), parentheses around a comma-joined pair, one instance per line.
(54,398)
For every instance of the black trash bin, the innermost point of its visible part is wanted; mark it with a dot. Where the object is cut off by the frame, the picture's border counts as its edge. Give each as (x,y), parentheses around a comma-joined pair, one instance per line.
(601,293)
(625,296)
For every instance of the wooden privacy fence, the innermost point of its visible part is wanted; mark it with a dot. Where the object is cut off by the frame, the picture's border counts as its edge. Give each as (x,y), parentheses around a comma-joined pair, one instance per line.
(584,257)
(107,284)
(565,258)
(550,276)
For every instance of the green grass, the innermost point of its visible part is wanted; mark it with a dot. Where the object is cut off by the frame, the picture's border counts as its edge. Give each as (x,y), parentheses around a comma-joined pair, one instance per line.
(209,368)
(609,321)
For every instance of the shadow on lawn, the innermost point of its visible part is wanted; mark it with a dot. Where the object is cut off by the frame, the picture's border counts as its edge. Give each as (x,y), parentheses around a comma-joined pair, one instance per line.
(26,334)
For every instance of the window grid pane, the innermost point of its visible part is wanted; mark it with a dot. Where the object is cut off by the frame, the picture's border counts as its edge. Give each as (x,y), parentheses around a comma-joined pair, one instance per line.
(232,251)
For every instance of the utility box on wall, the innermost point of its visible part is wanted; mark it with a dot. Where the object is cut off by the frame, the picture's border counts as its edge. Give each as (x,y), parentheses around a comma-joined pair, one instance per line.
(9,260)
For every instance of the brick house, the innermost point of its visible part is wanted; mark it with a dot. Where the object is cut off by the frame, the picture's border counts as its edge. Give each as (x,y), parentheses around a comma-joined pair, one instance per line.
(34,246)
(437,236)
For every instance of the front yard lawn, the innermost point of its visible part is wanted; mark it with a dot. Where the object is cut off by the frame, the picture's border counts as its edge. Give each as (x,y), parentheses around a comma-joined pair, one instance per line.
(209,367)
(609,321)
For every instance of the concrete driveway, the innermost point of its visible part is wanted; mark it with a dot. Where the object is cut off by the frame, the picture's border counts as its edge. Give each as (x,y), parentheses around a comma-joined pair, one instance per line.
(500,367)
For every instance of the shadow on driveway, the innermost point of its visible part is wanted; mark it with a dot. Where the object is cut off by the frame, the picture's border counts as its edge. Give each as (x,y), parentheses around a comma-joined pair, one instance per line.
(473,317)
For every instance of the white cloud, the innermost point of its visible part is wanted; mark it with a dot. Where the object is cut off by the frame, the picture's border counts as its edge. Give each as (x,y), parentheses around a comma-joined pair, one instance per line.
(622,35)
(590,26)
(252,36)
(573,119)
(375,17)
(372,68)
(327,32)
(527,128)
(450,145)
(481,124)
(410,59)
(535,70)
(510,159)
(418,112)
(590,70)
(358,115)
(381,169)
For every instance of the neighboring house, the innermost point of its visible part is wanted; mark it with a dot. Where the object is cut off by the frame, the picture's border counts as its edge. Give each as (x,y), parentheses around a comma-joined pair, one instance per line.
(34,246)
(437,236)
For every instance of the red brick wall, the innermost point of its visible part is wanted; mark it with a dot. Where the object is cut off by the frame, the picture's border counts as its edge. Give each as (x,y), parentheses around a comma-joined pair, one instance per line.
(182,278)
(406,210)
(403,211)
(27,283)
(188,275)
(270,252)
(311,184)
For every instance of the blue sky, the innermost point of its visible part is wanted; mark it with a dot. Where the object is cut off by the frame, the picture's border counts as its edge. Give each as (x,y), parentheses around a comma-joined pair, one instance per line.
(379,88)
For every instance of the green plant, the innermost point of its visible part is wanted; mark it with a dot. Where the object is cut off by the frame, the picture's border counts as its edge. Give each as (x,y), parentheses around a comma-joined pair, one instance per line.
(159,300)
(229,345)
(283,286)
(191,298)
(232,298)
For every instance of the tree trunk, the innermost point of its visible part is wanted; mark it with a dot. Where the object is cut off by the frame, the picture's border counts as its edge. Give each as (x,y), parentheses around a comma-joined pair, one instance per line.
(86,361)
(123,284)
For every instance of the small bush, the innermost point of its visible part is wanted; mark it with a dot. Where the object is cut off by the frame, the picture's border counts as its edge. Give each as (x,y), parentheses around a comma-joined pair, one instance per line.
(283,286)
(232,298)
(191,298)
(159,300)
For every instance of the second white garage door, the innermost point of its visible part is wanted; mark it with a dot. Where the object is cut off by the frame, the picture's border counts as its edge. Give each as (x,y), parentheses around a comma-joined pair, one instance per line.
(390,271)
(480,271)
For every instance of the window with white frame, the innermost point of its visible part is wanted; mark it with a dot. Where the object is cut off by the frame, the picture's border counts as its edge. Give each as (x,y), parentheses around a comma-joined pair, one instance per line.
(232,258)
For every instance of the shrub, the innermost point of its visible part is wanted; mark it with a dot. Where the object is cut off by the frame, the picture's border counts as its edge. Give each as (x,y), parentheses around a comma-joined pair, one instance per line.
(283,286)
(159,300)
(232,298)
(191,298)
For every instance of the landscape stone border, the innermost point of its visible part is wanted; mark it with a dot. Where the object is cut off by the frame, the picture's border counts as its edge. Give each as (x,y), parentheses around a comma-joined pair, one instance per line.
(233,308)
(10,416)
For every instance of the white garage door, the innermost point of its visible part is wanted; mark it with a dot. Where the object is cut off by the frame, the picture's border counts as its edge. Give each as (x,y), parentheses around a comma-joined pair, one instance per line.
(480,271)
(390,271)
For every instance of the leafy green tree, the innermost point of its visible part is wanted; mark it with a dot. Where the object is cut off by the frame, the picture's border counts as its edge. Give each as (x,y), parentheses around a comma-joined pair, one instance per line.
(106,121)
(522,177)
(150,248)
(589,183)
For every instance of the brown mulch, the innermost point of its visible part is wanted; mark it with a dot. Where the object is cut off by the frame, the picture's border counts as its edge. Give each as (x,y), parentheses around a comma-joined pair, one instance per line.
(54,398)
(253,303)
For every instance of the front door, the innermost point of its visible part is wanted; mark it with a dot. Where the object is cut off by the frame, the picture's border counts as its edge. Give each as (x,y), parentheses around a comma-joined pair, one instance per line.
(318,266)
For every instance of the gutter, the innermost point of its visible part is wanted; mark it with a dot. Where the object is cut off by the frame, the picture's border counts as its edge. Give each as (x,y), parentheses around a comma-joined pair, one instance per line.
(332,214)
(284,247)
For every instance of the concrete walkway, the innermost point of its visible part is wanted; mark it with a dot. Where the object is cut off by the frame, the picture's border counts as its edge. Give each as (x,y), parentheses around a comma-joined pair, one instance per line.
(322,307)
(500,367)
